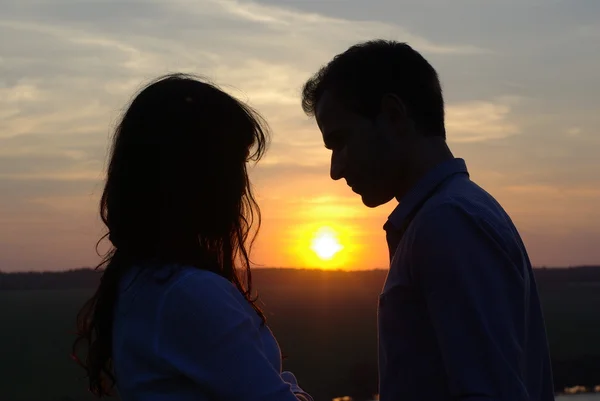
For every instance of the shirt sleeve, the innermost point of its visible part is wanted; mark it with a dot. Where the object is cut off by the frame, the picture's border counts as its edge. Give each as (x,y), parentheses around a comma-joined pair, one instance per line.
(207,336)
(476,298)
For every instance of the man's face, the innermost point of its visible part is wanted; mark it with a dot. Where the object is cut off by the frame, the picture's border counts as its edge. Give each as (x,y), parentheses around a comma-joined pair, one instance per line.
(370,155)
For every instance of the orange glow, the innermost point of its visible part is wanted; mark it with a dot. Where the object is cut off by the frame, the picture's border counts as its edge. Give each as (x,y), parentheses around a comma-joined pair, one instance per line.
(324,232)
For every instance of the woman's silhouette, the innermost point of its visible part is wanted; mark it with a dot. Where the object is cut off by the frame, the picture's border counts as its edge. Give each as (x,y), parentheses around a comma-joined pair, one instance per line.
(172,318)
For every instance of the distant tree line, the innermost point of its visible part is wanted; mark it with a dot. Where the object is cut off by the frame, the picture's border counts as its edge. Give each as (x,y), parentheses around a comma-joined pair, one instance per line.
(87,278)
(71,279)
(580,274)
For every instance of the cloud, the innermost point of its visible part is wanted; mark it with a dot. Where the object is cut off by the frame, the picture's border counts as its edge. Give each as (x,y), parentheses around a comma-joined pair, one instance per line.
(591,31)
(477,121)
(308,26)
(63,156)
(565,193)
(71,68)
(325,207)
(570,207)
(68,73)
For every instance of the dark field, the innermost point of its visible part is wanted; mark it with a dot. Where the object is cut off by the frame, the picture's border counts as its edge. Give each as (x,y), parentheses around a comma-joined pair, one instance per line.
(324,321)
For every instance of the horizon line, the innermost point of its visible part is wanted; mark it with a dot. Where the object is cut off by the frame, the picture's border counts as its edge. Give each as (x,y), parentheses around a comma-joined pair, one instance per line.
(340,270)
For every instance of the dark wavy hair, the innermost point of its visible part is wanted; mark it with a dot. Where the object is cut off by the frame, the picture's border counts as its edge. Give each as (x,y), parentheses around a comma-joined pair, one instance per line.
(177,191)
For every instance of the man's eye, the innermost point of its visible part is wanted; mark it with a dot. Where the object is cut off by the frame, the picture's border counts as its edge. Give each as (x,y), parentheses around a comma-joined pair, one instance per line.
(336,140)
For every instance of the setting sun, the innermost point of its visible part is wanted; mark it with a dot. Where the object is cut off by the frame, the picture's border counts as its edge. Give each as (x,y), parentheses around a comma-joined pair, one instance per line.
(326,244)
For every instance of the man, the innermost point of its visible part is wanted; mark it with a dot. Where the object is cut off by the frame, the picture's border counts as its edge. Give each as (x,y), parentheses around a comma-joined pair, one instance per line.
(459,315)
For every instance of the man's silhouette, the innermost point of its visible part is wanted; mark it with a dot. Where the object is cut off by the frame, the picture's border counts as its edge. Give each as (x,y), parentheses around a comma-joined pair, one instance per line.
(459,315)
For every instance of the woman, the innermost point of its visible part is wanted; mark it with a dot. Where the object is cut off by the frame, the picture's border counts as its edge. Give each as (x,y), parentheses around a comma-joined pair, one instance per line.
(172,319)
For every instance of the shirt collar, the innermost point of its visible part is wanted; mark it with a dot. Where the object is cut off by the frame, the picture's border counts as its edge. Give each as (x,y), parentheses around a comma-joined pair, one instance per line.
(423,188)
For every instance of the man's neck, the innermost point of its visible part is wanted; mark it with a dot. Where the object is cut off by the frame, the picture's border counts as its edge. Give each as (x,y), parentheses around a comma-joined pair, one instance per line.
(430,153)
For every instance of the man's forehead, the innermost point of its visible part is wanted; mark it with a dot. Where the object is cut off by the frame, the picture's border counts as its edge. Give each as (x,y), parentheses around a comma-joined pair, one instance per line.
(328,110)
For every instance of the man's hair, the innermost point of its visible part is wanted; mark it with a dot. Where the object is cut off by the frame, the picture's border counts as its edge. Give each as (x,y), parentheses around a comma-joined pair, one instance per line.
(363,74)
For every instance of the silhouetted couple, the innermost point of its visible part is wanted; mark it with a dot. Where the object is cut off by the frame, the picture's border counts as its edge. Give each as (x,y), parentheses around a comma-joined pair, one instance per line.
(174,318)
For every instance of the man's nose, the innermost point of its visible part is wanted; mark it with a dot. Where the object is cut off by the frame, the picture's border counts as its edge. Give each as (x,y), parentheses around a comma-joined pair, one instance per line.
(337,166)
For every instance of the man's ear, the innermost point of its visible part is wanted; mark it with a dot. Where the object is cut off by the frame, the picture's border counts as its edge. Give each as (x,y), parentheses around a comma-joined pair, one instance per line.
(393,112)
(394,108)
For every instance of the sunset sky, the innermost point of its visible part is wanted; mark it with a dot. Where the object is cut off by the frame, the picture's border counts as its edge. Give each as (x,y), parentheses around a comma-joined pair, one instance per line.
(520,78)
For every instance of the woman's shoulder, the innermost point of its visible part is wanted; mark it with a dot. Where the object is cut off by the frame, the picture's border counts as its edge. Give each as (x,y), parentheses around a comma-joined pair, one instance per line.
(198,292)
(165,278)
(191,281)
(200,304)
(175,274)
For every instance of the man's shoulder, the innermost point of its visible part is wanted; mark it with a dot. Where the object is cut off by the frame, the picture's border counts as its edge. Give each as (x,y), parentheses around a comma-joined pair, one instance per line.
(467,201)
(458,222)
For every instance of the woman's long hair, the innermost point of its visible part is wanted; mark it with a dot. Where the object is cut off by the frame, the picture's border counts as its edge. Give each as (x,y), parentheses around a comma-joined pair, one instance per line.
(177,191)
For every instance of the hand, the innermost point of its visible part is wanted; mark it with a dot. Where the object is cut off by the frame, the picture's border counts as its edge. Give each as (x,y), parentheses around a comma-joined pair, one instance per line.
(300,394)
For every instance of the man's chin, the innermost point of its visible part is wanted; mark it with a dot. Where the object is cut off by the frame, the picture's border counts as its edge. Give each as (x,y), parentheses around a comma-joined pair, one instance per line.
(374,201)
